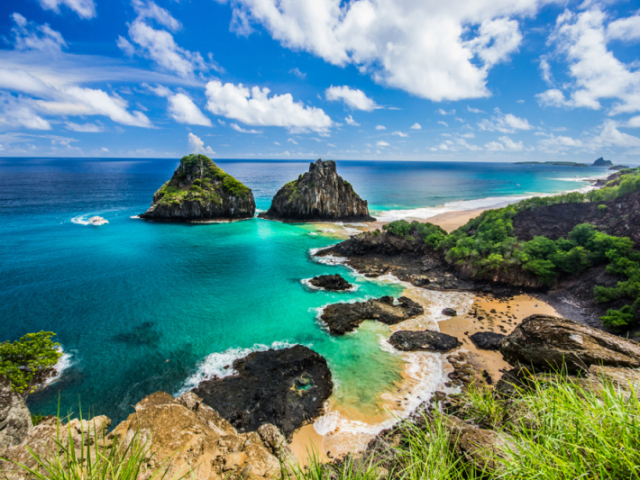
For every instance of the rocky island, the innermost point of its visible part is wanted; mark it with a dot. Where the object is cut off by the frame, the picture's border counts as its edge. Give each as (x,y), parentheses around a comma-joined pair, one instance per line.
(200,191)
(318,195)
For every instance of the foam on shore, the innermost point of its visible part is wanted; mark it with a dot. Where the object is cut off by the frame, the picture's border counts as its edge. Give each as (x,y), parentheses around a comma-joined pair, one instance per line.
(220,364)
(64,362)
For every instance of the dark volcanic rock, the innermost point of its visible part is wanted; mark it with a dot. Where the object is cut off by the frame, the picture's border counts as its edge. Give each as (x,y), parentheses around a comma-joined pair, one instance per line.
(330,282)
(428,341)
(318,195)
(553,343)
(345,317)
(15,419)
(487,340)
(449,312)
(620,218)
(601,162)
(284,387)
(199,191)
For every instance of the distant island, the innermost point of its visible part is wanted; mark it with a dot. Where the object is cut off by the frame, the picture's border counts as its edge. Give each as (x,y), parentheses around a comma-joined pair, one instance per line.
(600,162)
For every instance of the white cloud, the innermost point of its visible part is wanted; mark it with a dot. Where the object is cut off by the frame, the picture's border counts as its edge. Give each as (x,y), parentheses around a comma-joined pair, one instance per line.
(634,122)
(625,29)
(29,36)
(331,145)
(104,149)
(504,144)
(380,127)
(84,8)
(20,113)
(196,145)
(475,110)
(382,143)
(181,108)
(296,71)
(276,143)
(400,134)
(456,145)
(238,128)
(291,140)
(85,127)
(443,123)
(428,48)
(545,70)
(416,126)
(597,74)
(508,123)
(152,11)
(351,121)
(609,136)
(444,112)
(354,98)
(255,107)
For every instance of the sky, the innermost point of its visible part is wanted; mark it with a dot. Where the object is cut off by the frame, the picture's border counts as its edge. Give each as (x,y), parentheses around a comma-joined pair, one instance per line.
(456,80)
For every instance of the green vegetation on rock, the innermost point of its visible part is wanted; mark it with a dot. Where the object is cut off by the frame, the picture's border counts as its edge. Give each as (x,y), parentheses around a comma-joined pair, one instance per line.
(27,362)
(209,182)
(487,247)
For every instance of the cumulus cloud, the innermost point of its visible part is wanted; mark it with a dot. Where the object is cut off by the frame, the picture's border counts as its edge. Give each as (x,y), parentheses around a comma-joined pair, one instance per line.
(84,8)
(431,49)
(255,107)
(609,136)
(597,74)
(238,128)
(504,144)
(351,121)
(456,145)
(380,127)
(181,108)
(353,98)
(416,126)
(382,143)
(20,113)
(196,145)
(30,36)
(474,110)
(508,123)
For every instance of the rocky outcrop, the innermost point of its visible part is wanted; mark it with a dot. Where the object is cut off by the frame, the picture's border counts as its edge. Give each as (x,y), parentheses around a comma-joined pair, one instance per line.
(601,162)
(318,195)
(286,388)
(200,191)
(345,317)
(553,343)
(449,312)
(487,340)
(333,283)
(195,437)
(15,419)
(428,341)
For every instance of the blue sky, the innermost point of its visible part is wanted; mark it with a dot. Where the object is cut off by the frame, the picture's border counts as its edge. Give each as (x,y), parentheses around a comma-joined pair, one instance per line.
(485,80)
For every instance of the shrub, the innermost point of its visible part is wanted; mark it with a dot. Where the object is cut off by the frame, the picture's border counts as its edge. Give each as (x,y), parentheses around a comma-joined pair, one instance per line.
(27,362)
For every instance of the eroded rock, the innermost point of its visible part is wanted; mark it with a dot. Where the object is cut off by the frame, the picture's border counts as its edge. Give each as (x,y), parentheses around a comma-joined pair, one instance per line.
(487,340)
(553,343)
(427,340)
(15,419)
(330,282)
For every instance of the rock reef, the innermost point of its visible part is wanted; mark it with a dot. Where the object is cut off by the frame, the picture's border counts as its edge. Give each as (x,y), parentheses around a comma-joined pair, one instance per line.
(427,341)
(318,195)
(200,191)
(286,388)
(334,283)
(345,317)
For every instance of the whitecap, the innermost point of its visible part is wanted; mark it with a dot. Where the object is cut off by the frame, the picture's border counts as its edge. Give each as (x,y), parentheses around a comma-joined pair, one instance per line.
(64,362)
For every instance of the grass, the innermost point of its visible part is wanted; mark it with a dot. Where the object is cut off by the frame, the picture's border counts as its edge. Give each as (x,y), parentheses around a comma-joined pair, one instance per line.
(560,429)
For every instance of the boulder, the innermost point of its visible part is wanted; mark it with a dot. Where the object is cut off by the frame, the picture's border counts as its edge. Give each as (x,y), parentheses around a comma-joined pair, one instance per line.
(286,388)
(345,317)
(200,191)
(330,282)
(553,343)
(424,341)
(487,340)
(449,312)
(318,195)
(15,419)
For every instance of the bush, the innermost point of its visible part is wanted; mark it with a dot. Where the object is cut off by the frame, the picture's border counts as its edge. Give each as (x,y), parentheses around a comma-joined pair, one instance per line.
(28,361)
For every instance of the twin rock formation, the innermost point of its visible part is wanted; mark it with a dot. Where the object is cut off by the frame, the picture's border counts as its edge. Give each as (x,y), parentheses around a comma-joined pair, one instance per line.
(200,191)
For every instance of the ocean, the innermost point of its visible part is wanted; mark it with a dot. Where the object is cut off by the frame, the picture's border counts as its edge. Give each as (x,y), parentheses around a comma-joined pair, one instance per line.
(140,307)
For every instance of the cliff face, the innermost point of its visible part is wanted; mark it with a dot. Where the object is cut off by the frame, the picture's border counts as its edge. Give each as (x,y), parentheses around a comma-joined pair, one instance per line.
(318,195)
(200,190)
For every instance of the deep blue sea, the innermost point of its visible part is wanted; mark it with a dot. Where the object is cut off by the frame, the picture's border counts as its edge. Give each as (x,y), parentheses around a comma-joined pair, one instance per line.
(141,307)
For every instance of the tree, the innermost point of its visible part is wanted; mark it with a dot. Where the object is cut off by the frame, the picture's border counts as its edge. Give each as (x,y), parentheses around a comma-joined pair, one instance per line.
(28,361)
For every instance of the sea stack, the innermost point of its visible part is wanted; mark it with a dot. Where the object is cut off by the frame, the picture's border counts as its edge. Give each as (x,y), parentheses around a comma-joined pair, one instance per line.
(200,191)
(318,195)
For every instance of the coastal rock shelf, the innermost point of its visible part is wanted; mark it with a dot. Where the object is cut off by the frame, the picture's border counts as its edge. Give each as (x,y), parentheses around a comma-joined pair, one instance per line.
(334,283)
(318,195)
(345,317)
(286,388)
(427,340)
(201,191)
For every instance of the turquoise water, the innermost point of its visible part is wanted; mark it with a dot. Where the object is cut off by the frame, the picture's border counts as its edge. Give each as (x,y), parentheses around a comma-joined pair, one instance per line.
(142,307)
